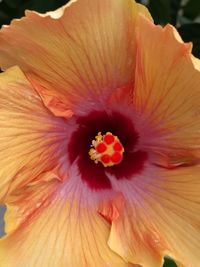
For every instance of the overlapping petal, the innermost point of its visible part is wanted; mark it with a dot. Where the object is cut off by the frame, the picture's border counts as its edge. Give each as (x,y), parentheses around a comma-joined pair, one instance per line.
(161,217)
(174,207)
(133,235)
(69,232)
(134,238)
(78,51)
(33,141)
(167,92)
(48,212)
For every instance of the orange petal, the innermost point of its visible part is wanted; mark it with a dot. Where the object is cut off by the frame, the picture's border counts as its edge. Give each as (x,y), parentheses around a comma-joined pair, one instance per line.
(66,233)
(28,201)
(33,141)
(79,51)
(111,209)
(162,218)
(168,93)
(176,212)
(134,238)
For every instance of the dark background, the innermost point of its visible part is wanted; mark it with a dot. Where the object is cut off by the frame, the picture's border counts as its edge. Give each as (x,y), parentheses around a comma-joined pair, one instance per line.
(183,14)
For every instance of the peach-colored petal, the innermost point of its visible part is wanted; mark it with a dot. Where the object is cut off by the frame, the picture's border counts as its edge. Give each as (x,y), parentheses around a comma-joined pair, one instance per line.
(69,232)
(167,92)
(134,238)
(27,201)
(174,206)
(33,141)
(82,50)
(112,209)
(161,217)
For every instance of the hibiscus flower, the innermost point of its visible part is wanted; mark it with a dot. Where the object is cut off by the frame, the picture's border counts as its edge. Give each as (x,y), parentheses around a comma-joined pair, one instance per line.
(99,139)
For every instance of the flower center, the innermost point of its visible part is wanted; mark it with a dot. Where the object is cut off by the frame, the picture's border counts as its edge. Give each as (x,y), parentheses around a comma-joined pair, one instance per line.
(106,149)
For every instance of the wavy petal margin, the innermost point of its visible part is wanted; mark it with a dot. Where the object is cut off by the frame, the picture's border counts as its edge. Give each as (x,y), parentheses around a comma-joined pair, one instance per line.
(76,52)
(167,93)
(33,141)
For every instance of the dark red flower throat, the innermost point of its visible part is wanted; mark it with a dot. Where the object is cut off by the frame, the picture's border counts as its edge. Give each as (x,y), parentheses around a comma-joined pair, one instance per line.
(122,159)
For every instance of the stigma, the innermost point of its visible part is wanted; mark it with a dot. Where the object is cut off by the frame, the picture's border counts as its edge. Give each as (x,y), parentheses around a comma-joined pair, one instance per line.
(106,149)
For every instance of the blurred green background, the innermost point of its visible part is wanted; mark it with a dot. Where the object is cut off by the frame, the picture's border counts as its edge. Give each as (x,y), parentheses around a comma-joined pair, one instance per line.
(183,14)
